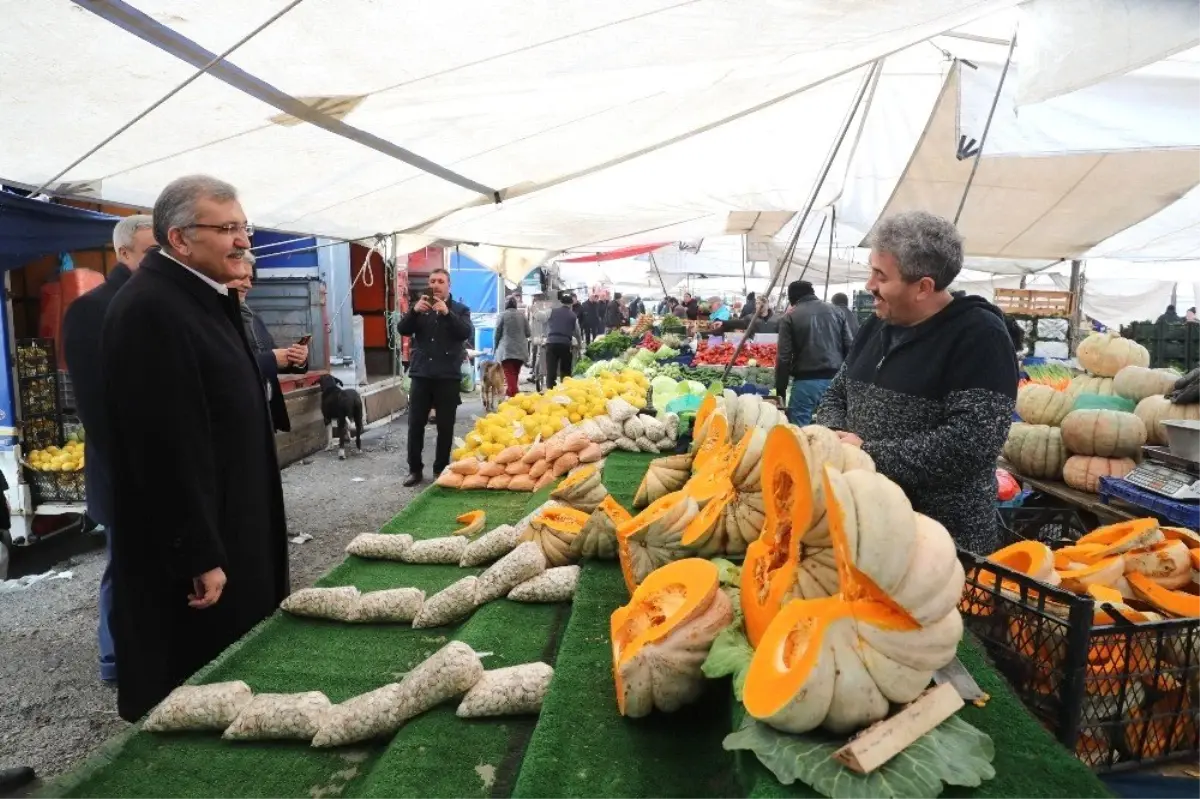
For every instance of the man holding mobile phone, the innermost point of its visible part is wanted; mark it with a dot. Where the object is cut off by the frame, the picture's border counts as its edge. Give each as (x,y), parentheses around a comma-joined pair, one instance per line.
(272,360)
(440,329)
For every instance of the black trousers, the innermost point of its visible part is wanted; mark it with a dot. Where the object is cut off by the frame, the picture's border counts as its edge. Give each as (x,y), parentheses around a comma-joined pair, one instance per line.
(558,362)
(442,396)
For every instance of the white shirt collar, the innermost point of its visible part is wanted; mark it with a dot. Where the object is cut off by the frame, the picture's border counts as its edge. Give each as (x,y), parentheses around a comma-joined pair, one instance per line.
(219,288)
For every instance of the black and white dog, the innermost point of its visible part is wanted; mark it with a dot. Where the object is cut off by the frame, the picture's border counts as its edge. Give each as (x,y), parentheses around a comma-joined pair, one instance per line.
(338,405)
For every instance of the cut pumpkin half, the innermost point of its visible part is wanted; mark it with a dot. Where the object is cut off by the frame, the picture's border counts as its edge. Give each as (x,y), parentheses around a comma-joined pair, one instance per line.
(582,489)
(472,522)
(769,570)
(1124,536)
(654,537)
(661,638)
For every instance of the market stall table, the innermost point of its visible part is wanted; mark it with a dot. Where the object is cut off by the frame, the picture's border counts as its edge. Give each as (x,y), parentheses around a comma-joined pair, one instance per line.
(1067,508)
(579,746)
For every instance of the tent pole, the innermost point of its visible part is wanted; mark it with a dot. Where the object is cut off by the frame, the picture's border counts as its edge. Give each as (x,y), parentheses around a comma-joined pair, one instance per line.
(829,266)
(987,126)
(868,78)
(812,250)
(654,266)
(1076,287)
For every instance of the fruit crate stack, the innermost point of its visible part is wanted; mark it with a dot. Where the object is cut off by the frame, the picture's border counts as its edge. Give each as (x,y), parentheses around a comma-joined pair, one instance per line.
(1120,695)
(38,390)
(1171,344)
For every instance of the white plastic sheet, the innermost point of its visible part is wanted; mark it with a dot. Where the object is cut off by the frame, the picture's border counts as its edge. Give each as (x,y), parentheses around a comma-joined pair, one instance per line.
(597,120)
(1067,45)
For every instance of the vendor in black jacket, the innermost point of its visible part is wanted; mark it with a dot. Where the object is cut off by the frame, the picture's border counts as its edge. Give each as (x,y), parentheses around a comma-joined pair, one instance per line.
(440,330)
(931,382)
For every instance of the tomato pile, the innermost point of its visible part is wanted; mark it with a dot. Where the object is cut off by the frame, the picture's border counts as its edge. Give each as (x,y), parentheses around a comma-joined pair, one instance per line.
(649,342)
(720,354)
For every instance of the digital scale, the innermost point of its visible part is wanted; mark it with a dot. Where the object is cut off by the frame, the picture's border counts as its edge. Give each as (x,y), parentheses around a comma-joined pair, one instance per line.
(1166,474)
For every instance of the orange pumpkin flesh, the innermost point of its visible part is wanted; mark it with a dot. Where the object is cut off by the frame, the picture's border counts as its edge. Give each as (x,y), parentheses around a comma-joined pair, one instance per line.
(705,532)
(657,511)
(1124,536)
(1175,603)
(668,599)
(472,522)
(769,570)
(714,444)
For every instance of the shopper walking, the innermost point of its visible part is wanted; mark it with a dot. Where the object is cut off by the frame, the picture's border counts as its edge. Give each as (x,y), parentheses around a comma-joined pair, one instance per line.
(441,329)
(814,340)
(200,550)
(562,335)
(512,344)
(132,237)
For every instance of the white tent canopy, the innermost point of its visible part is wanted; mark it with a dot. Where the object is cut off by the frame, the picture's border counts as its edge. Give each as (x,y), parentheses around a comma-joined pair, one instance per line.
(592,120)
(597,124)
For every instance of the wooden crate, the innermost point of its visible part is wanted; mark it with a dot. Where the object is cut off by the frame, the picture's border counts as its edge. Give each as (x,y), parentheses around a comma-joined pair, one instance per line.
(1034,302)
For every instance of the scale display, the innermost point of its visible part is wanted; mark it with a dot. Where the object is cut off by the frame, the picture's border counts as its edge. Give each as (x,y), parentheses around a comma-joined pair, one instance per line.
(1162,480)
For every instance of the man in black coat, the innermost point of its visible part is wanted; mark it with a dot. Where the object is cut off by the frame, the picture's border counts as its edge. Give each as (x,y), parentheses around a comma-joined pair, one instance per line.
(441,329)
(272,361)
(200,554)
(132,237)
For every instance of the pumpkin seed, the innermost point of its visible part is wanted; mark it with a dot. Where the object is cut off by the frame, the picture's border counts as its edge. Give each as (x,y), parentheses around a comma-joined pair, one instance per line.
(447,606)
(524,562)
(553,585)
(449,672)
(380,546)
(509,691)
(338,604)
(490,545)
(447,549)
(200,707)
(280,717)
(361,718)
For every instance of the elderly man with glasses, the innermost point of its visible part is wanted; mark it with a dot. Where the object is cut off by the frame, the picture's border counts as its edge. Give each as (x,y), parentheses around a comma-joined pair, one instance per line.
(200,554)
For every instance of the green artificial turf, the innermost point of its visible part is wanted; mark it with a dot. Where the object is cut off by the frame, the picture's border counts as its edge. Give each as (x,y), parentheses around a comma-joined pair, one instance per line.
(579,746)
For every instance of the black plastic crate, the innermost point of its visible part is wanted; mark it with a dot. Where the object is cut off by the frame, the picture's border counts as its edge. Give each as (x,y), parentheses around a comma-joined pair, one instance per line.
(39,432)
(39,395)
(55,486)
(35,357)
(66,394)
(1120,696)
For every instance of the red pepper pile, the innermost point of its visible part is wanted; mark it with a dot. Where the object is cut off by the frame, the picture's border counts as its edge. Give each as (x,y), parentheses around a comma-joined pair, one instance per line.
(720,354)
(649,342)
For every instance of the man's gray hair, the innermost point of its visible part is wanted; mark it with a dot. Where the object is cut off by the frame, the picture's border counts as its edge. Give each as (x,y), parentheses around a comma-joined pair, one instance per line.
(128,227)
(176,205)
(924,245)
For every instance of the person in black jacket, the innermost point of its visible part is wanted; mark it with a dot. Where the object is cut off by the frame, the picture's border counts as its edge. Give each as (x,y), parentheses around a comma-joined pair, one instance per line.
(842,303)
(84,319)
(441,329)
(814,341)
(616,317)
(272,361)
(562,333)
(931,382)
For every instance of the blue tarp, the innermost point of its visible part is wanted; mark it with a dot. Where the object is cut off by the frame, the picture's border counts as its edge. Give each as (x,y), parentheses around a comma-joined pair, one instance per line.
(30,229)
(474,285)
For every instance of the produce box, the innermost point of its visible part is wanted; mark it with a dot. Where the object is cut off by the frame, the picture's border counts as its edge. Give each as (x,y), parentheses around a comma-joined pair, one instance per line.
(1120,695)
(55,486)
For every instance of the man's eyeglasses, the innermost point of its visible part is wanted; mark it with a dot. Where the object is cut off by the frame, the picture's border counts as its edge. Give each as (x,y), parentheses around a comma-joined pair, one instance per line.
(230,229)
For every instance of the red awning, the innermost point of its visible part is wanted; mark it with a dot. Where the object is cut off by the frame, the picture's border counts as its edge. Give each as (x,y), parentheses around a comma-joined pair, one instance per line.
(613,255)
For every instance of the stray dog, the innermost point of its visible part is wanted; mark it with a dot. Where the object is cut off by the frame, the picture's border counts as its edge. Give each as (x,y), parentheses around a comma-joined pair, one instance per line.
(339,405)
(492,385)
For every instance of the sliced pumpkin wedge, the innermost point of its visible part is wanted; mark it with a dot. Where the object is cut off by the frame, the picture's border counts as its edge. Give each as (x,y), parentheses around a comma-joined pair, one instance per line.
(1173,603)
(1124,536)
(1162,561)
(1101,572)
(1190,538)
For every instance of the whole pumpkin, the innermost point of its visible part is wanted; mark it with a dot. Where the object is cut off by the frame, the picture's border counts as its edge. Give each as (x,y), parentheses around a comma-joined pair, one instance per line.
(1036,450)
(1090,384)
(1105,354)
(1137,382)
(1155,410)
(1109,434)
(1083,472)
(1041,404)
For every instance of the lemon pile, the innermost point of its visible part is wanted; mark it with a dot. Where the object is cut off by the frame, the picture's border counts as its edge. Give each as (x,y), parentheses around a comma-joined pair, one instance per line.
(54,459)
(527,417)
